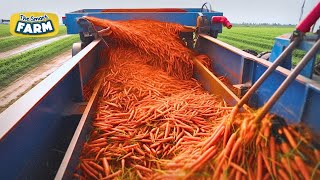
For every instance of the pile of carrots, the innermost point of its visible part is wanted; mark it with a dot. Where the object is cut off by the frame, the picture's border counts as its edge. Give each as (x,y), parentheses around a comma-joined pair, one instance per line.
(154,121)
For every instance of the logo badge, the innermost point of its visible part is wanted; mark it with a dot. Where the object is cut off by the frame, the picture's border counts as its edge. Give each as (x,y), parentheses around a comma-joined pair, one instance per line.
(34,24)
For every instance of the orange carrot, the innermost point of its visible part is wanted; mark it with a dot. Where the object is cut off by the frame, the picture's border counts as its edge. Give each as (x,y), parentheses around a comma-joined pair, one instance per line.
(237,167)
(288,168)
(86,170)
(166,134)
(273,155)
(96,166)
(142,168)
(317,154)
(235,148)
(98,154)
(215,138)
(283,174)
(259,166)
(122,164)
(302,167)
(290,138)
(95,172)
(106,166)
(127,155)
(112,175)
(266,162)
(140,151)
(238,175)
(226,134)
(202,159)
(266,176)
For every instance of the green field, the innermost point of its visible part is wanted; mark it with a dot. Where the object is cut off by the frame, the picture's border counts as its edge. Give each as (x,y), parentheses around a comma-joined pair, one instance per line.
(257,38)
(4,30)
(13,67)
(13,42)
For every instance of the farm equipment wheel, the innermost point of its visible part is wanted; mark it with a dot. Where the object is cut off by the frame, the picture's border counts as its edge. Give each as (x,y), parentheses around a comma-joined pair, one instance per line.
(76,48)
(264,55)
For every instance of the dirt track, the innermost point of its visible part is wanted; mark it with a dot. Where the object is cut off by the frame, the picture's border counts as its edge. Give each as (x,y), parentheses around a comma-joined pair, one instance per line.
(19,87)
(30,46)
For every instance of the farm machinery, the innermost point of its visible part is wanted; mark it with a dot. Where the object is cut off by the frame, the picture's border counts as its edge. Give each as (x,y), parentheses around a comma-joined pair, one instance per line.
(43,132)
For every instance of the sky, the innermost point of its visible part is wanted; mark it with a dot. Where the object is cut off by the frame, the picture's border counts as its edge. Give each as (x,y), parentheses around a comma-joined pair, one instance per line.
(237,11)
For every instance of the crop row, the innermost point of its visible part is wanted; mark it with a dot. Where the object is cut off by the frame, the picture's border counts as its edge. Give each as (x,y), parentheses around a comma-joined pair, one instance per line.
(256,38)
(13,42)
(262,30)
(269,38)
(13,67)
(242,45)
(250,40)
(4,30)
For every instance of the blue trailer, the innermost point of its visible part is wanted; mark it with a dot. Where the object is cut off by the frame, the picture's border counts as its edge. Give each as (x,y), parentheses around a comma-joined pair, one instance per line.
(42,133)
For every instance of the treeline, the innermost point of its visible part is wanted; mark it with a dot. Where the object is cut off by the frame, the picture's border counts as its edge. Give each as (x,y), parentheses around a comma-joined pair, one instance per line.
(263,24)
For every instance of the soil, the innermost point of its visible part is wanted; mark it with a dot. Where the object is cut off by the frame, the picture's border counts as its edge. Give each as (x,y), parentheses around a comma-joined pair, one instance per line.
(23,84)
(30,46)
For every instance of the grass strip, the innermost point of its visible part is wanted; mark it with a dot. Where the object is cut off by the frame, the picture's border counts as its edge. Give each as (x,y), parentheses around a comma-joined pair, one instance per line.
(14,42)
(4,30)
(12,68)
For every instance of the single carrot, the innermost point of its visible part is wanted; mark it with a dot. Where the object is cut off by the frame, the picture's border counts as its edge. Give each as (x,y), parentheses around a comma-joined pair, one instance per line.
(167,131)
(302,167)
(235,148)
(106,166)
(288,167)
(238,168)
(146,148)
(86,170)
(142,168)
(102,144)
(136,158)
(317,154)
(127,155)
(98,154)
(112,175)
(139,174)
(95,172)
(238,175)
(272,146)
(283,174)
(179,136)
(139,151)
(96,166)
(266,162)
(290,138)
(226,134)
(168,139)
(122,164)
(259,166)
(152,137)
(284,148)
(214,139)
(100,140)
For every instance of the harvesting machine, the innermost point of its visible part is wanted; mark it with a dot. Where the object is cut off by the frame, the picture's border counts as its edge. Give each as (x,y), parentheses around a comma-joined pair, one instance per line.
(42,133)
